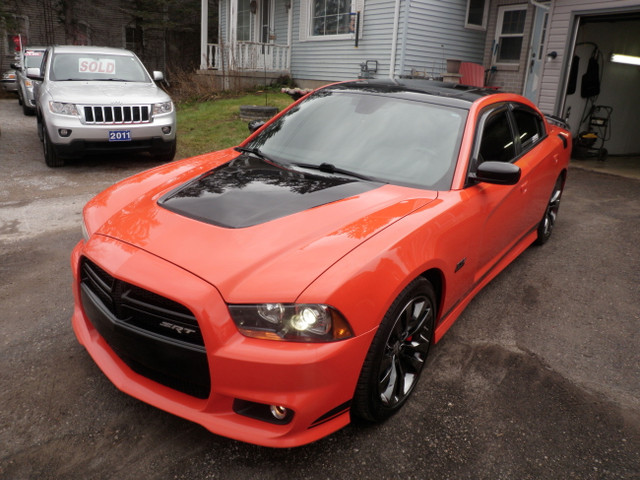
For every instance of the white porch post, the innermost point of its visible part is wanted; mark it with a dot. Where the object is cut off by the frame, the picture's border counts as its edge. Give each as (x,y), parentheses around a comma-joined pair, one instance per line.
(204,28)
(232,41)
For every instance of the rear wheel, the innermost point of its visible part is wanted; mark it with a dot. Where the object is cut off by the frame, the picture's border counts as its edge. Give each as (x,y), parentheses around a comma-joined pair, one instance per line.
(397,354)
(551,213)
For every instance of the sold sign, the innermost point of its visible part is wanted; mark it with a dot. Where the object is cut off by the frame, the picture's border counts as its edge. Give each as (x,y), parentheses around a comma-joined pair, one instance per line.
(92,65)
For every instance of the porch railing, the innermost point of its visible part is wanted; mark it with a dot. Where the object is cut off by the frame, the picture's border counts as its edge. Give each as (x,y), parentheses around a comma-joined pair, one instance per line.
(249,56)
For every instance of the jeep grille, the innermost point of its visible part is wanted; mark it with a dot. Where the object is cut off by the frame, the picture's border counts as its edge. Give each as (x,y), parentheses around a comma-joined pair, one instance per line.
(117,114)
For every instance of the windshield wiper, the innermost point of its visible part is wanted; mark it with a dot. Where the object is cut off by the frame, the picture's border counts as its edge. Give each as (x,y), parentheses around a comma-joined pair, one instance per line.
(331,168)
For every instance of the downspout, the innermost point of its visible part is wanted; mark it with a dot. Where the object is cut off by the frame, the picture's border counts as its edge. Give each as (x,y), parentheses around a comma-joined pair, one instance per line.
(540,5)
(204,28)
(405,32)
(289,35)
(394,40)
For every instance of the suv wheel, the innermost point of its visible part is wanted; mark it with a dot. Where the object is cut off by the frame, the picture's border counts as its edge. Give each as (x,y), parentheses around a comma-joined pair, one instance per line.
(51,158)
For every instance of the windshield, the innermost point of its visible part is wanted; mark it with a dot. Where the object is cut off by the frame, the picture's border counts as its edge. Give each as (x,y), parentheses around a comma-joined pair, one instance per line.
(101,67)
(386,138)
(33,58)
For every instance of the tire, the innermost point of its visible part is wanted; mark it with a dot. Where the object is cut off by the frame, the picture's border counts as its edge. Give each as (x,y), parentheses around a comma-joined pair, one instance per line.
(169,155)
(545,227)
(397,354)
(51,158)
(27,110)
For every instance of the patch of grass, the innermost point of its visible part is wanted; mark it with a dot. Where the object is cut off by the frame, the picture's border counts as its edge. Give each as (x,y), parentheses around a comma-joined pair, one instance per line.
(213,125)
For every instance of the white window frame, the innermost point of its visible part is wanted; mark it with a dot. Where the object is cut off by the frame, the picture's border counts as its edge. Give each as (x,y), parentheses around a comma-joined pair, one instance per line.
(485,15)
(306,23)
(499,34)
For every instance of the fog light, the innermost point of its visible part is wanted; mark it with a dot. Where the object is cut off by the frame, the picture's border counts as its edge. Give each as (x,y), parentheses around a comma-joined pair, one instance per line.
(64,132)
(166,130)
(279,412)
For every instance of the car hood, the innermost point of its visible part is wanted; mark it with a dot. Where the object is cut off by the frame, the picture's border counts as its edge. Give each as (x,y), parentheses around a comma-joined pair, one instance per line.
(256,231)
(106,93)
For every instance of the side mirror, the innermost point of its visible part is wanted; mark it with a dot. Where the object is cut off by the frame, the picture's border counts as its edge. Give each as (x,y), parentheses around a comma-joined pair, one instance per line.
(500,173)
(34,73)
(16,66)
(158,76)
(255,125)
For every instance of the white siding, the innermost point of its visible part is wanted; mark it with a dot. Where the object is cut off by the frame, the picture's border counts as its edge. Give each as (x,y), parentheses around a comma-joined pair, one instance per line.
(563,14)
(435,31)
(432,31)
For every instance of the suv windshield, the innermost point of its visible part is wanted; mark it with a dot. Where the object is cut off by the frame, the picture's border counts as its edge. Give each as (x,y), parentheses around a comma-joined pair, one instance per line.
(33,58)
(394,140)
(101,67)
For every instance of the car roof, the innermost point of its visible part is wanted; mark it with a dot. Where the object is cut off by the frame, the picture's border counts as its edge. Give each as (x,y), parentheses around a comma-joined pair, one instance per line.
(441,92)
(90,49)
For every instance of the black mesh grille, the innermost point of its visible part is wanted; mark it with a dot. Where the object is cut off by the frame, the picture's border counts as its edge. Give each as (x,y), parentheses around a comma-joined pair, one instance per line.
(155,336)
(142,308)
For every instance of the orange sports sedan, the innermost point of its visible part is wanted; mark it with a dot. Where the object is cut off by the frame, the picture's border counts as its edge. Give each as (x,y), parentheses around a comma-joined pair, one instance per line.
(272,291)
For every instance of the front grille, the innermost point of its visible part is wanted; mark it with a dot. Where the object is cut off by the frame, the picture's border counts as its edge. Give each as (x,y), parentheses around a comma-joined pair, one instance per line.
(117,114)
(155,336)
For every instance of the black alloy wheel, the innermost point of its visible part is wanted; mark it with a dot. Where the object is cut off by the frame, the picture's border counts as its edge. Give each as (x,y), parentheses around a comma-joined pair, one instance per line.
(545,228)
(397,354)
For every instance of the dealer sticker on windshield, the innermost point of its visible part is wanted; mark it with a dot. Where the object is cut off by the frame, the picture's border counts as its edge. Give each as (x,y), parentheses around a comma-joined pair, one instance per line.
(97,65)
(119,135)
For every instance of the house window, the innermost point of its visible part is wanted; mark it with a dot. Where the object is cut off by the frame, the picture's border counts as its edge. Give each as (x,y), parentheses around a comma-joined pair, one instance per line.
(331,17)
(510,33)
(477,14)
(245,21)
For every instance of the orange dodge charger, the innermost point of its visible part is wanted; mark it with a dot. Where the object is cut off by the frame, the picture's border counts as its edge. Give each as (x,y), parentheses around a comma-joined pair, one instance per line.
(272,291)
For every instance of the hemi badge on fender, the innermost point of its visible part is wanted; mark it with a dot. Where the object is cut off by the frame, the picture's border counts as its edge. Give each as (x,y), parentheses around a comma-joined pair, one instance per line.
(460,264)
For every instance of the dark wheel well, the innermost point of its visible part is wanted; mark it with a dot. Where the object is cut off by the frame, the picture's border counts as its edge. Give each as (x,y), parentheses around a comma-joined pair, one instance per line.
(436,278)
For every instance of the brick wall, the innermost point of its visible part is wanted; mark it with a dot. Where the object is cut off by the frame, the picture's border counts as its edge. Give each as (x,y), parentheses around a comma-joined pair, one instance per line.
(102,24)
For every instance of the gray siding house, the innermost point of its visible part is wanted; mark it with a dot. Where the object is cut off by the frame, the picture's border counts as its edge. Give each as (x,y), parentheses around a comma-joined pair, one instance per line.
(320,41)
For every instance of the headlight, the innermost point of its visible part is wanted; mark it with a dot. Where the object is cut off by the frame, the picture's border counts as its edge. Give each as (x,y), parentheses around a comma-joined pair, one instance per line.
(160,108)
(291,322)
(85,231)
(63,108)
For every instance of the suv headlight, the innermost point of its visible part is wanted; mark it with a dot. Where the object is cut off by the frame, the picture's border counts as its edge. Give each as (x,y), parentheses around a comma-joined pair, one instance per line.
(161,108)
(63,108)
(291,322)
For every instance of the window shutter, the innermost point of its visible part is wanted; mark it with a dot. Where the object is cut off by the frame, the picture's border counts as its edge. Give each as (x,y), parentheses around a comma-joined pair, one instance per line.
(304,19)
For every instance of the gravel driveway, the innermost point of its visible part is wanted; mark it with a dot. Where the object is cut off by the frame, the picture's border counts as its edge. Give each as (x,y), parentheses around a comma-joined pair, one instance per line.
(538,379)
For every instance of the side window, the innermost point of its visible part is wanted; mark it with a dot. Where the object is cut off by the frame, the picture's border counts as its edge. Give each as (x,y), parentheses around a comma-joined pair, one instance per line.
(530,127)
(497,139)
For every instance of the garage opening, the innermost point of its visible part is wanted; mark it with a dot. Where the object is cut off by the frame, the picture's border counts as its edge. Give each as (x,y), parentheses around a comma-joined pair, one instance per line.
(602,100)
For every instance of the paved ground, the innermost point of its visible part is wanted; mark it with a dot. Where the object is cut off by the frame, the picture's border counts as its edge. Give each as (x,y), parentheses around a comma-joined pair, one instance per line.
(539,379)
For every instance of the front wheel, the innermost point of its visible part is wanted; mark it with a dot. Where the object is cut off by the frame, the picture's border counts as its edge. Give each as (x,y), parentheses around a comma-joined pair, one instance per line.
(397,354)
(545,227)
(51,158)
(169,155)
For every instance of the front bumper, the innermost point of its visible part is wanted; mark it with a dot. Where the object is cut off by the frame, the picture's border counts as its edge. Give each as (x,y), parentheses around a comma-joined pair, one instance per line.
(86,138)
(315,381)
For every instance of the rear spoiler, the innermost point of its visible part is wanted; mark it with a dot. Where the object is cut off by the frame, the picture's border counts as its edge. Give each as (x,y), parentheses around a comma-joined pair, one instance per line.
(557,121)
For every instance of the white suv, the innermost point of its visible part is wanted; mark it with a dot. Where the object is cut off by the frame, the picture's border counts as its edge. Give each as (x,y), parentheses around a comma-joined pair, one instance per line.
(100,100)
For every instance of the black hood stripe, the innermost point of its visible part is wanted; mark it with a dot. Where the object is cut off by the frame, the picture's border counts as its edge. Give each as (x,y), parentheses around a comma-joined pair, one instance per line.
(249,191)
